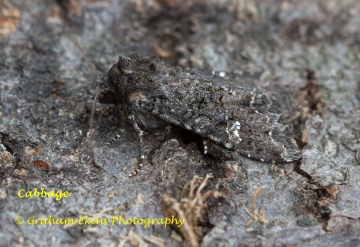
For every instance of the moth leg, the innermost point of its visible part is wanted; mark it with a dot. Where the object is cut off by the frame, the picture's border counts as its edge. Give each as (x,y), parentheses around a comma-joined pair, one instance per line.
(218,151)
(114,139)
(136,127)
(140,134)
(205,146)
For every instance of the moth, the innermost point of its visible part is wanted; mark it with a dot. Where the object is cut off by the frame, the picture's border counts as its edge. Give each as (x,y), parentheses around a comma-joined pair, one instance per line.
(226,114)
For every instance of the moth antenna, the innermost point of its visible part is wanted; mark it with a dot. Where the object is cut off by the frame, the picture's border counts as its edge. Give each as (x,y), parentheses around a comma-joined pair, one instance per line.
(93,110)
(93,69)
(84,55)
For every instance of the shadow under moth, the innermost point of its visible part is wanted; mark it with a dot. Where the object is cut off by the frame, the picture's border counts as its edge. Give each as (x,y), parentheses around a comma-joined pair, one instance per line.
(227,115)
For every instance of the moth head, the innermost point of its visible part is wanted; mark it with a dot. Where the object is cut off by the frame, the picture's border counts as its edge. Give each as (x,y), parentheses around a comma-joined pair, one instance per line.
(133,73)
(135,64)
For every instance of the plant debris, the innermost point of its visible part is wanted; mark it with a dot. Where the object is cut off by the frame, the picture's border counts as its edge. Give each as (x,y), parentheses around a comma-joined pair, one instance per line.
(191,207)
